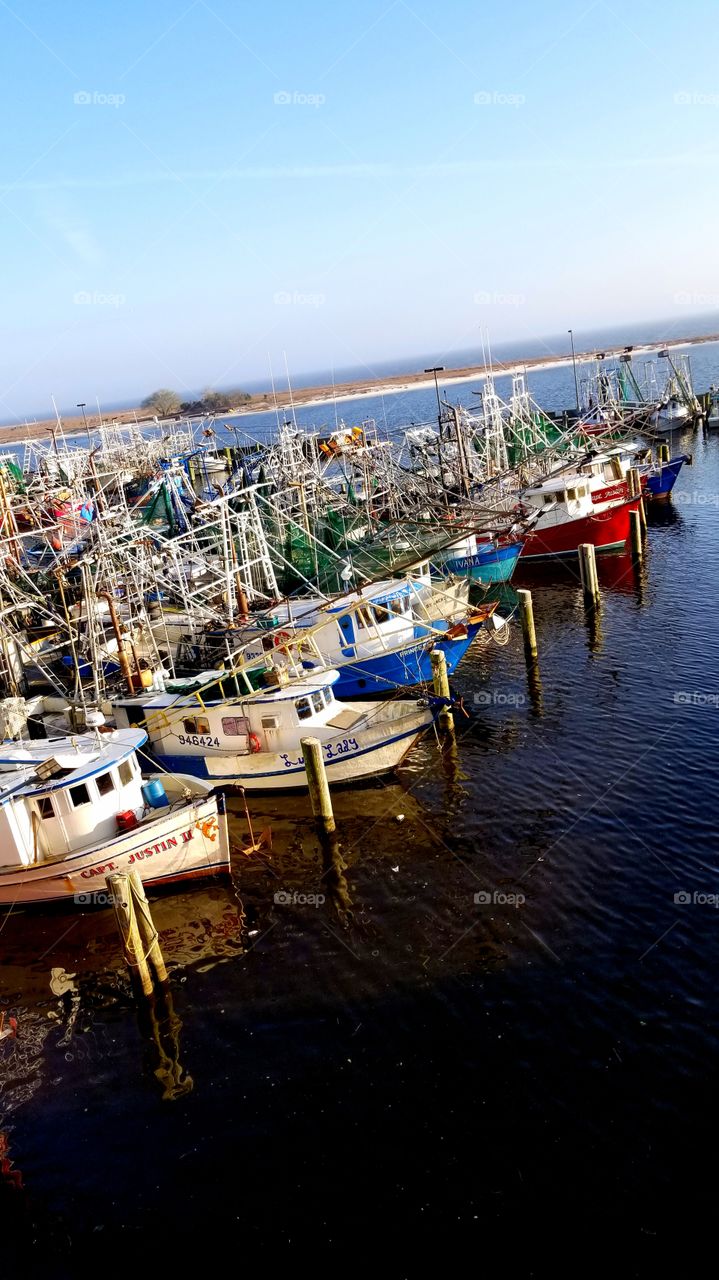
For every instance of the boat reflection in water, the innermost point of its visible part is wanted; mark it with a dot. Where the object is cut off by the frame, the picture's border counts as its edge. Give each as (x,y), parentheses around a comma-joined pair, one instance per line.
(615,569)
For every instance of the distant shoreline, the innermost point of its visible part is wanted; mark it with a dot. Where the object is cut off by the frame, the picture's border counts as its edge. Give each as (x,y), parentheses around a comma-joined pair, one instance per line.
(307,397)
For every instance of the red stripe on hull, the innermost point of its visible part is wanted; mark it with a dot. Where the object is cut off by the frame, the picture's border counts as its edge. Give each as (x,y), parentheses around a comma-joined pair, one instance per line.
(603,529)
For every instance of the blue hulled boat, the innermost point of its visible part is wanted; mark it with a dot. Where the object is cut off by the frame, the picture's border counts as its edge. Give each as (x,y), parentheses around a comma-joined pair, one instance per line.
(660,477)
(489,562)
(409,664)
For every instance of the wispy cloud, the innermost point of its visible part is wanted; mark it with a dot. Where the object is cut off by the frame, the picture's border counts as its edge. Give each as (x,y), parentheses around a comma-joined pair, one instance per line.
(291,173)
(70,227)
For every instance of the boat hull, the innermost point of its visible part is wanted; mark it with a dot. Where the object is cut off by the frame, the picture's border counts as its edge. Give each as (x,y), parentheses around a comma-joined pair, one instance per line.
(660,483)
(348,759)
(185,842)
(488,565)
(605,530)
(403,668)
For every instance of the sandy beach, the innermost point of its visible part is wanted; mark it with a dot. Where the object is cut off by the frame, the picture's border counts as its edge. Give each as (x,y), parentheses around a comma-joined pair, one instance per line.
(263,402)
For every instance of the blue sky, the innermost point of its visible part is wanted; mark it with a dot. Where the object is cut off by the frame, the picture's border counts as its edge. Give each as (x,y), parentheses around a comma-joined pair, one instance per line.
(189,190)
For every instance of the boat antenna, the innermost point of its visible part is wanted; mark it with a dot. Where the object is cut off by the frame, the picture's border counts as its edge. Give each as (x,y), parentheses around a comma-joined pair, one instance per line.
(274,393)
(334,399)
(289,388)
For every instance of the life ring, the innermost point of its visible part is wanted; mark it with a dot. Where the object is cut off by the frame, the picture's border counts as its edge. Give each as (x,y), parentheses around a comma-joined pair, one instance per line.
(255,744)
(282,639)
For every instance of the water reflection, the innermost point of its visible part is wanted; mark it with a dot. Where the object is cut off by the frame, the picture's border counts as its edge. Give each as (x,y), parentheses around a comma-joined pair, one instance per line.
(160,1029)
(334,880)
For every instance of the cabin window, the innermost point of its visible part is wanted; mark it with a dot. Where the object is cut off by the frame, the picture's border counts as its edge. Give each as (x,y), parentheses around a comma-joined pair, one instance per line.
(269,722)
(397,606)
(381,613)
(105,784)
(363,618)
(303,709)
(234,726)
(196,724)
(125,772)
(571,495)
(329,697)
(46,807)
(318,701)
(79,795)
(548,497)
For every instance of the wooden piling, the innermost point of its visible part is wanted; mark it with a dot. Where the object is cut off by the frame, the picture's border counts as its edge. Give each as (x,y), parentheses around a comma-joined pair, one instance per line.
(440,683)
(318,785)
(119,887)
(148,933)
(588,572)
(526,613)
(635,491)
(635,531)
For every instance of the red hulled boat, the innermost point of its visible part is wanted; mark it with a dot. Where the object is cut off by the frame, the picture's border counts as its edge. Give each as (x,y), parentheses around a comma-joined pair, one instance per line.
(569,514)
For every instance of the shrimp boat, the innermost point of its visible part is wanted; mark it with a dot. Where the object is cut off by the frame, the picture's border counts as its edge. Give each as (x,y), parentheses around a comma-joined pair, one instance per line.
(255,742)
(481,559)
(379,638)
(657,479)
(671,414)
(609,472)
(571,514)
(73,810)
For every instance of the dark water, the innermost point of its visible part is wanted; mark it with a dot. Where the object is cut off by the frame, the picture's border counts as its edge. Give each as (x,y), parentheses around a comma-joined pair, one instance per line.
(532,1075)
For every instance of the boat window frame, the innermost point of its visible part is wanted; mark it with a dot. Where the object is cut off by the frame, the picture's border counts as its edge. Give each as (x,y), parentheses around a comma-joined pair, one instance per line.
(306,713)
(105,778)
(235,732)
(79,786)
(197,722)
(125,768)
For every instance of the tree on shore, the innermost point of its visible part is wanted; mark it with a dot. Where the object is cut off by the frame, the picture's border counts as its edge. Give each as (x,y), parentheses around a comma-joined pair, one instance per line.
(162,402)
(215,401)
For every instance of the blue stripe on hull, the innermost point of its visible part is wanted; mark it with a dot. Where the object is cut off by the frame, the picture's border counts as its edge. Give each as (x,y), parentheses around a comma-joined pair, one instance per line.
(198,765)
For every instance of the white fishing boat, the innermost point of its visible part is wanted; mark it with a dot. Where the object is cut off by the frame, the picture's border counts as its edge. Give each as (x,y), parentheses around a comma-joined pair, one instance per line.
(255,742)
(73,810)
(671,413)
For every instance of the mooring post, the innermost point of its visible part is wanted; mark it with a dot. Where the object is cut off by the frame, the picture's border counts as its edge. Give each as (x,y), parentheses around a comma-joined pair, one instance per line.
(663,453)
(635,491)
(146,925)
(526,613)
(318,785)
(635,530)
(118,885)
(588,573)
(440,684)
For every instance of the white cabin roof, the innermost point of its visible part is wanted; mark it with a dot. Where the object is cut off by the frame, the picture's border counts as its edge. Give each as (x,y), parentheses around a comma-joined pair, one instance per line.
(80,756)
(273,693)
(557,484)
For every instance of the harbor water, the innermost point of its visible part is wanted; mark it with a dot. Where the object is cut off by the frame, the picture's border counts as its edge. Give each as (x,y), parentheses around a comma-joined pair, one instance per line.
(492,1020)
